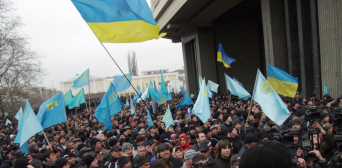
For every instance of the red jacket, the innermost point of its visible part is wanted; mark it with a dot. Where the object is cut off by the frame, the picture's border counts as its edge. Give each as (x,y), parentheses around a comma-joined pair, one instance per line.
(187,145)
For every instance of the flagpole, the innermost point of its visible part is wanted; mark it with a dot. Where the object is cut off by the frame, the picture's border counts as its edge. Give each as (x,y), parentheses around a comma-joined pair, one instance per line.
(47,140)
(249,113)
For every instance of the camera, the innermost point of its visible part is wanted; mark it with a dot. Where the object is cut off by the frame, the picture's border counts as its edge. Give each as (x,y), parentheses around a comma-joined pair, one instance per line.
(307,147)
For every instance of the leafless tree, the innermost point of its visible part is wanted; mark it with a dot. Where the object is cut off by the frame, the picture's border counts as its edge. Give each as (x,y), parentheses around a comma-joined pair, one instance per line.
(132,63)
(20,67)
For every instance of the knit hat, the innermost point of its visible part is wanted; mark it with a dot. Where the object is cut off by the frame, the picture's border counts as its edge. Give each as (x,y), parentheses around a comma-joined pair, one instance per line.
(225,117)
(89,159)
(122,161)
(206,130)
(235,160)
(94,141)
(126,145)
(113,141)
(327,126)
(189,154)
(20,163)
(31,146)
(61,162)
(156,137)
(142,160)
(251,138)
(271,154)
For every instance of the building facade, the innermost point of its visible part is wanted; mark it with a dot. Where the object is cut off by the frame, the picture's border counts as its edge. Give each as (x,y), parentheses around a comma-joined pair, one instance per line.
(302,37)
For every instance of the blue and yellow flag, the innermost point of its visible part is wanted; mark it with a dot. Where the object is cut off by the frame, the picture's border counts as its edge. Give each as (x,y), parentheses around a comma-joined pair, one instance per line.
(167,119)
(81,80)
(186,100)
(202,105)
(223,57)
(114,103)
(52,111)
(31,126)
(119,21)
(19,114)
(282,82)
(149,118)
(122,83)
(325,89)
(67,97)
(236,81)
(236,89)
(78,99)
(270,102)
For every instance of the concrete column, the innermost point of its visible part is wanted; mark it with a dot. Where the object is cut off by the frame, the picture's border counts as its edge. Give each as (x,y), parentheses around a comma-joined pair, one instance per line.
(274,29)
(330,42)
(94,83)
(189,59)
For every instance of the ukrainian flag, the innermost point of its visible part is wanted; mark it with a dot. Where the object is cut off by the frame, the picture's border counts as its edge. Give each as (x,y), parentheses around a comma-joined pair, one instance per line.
(119,21)
(223,57)
(282,82)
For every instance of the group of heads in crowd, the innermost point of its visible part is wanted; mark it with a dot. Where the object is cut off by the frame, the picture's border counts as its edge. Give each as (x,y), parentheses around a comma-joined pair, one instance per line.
(237,134)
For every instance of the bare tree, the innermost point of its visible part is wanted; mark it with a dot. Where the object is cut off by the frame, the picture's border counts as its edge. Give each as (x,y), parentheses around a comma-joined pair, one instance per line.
(20,67)
(132,63)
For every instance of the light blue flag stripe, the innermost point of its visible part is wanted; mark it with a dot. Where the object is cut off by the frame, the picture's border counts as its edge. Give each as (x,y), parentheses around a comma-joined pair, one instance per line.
(67,98)
(78,99)
(163,90)
(202,105)
(167,119)
(108,122)
(52,111)
(81,80)
(153,108)
(127,103)
(136,96)
(325,89)
(19,114)
(121,83)
(236,89)
(31,125)
(237,82)
(270,102)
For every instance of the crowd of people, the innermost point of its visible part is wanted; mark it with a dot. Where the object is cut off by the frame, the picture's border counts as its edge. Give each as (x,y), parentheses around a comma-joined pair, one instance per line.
(237,134)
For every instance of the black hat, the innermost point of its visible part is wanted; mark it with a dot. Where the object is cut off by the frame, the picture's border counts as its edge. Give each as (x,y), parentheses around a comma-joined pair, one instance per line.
(150,127)
(113,141)
(20,163)
(204,145)
(323,115)
(115,148)
(142,160)
(89,159)
(61,162)
(192,128)
(249,138)
(83,151)
(156,137)
(77,140)
(122,161)
(206,130)
(162,147)
(213,127)
(270,154)
(146,143)
(94,141)
(225,117)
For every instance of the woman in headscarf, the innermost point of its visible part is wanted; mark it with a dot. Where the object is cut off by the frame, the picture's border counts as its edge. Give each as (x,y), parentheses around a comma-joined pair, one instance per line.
(183,142)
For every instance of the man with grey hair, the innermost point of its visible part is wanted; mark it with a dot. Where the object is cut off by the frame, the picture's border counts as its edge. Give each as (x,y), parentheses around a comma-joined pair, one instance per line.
(188,155)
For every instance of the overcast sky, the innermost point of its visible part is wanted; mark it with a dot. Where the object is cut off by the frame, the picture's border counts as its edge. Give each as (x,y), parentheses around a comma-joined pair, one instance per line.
(56,30)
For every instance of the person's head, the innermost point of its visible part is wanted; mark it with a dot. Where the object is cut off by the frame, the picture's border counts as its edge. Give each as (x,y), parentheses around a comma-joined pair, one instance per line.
(205,148)
(123,162)
(177,153)
(224,148)
(200,137)
(251,140)
(270,154)
(141,151)
(49,156)
(143,162)
(163,163)
(91,161)
(199,159)
(62,163)
(116,152)
(127,149)
(97,145)
(163,151)
(174,139)
(188,155)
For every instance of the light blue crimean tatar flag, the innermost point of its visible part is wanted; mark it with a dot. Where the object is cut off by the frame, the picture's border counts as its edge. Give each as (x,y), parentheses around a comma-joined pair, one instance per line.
(213,86)
(127,103)
(132,106)
(78,99)
(31,126)
(108,122)
(236,89)
(81,80)
(8,122)
(136,96)
(237,82)
(202,105)
(19,114)
(325,89)
(67,97)
(167,119)
(121,82)
(186,100)
(149,118)
(270,102)
(52,111)
(163,89)
(114,104)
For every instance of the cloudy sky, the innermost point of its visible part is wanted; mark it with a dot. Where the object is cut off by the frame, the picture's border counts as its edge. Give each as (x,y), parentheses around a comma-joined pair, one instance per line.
(56,30)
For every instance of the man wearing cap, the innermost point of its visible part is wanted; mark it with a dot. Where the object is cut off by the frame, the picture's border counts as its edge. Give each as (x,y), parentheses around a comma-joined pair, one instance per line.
(152,131)
(205,150)
(80,156)
(143,162)
(33,150)
(227,118)
(115,153)
(98,148)
(189,154)
(297,124)
(91,161)
(250,140)
(127,149)
(163,152)
(236,139)
(214,131)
